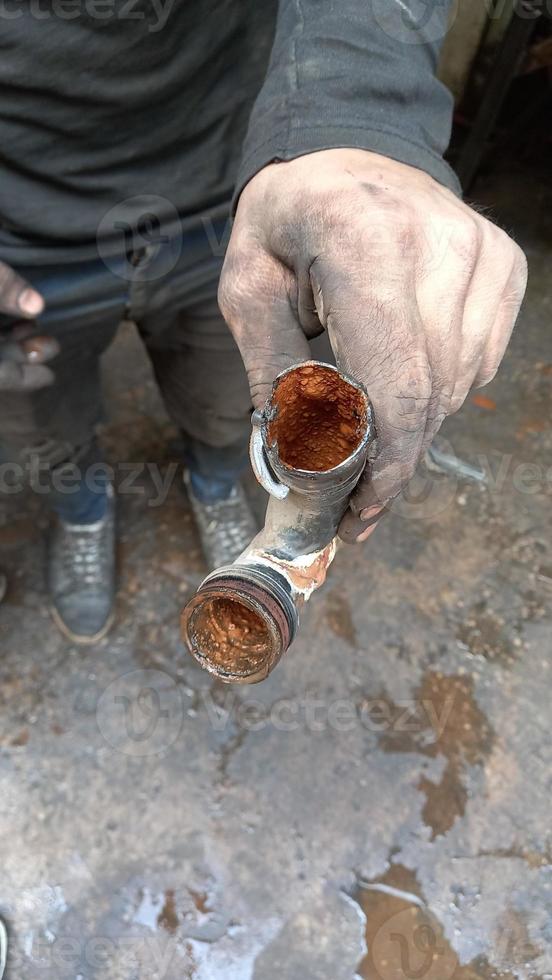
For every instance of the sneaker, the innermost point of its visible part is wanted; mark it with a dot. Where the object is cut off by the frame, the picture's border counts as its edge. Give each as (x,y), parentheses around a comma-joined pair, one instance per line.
(81,576)
(226,527)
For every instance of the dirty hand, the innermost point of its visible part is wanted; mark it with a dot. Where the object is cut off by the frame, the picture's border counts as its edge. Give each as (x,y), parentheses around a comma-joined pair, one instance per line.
(419,295)
(22,355)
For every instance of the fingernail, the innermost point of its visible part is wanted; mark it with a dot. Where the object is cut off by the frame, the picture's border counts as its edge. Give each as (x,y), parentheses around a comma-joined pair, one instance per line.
(31,302)
(366,534)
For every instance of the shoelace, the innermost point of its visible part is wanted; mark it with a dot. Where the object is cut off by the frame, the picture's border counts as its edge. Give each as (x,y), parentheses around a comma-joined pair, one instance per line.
(83,556)
(225,516)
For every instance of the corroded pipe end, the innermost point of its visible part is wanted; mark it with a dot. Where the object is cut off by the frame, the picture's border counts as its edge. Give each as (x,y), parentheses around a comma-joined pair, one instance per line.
(317,420)
(239,623)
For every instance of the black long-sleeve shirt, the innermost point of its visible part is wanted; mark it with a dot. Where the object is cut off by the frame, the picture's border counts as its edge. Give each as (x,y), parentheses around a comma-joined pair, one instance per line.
(105,101)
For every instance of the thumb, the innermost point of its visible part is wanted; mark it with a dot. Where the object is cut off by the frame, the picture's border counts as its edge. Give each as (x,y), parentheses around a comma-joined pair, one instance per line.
(17,298)
(257,297)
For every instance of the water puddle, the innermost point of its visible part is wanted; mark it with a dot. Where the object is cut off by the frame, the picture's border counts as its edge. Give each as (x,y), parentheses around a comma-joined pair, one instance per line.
(445,720)
(148,910)
(404,939)
(339,618)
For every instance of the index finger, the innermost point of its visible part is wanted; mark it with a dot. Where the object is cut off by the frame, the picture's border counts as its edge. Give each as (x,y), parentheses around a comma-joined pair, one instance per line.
(378,338)
(254,297)
(400,426)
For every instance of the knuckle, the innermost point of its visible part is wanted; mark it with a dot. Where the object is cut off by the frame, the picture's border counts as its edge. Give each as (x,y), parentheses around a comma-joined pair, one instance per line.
(229,291)
(467,237)
(521,271)
(224,297)
(414,388)
(249,280)
(510,253)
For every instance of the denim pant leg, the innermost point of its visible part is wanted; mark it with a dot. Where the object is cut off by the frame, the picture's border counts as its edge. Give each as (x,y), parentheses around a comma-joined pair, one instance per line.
(79,487)
(199,369)
(50,433)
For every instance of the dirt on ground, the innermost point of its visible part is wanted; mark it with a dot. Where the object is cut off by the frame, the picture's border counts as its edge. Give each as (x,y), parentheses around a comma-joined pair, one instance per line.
(379,807)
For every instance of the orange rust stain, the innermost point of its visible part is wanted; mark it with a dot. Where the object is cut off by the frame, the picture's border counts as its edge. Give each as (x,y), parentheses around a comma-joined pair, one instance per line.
(530,426)
(310,575)
(200,900)
(231,635)
(483,401)
(21,739)
(167,918)
(320,419)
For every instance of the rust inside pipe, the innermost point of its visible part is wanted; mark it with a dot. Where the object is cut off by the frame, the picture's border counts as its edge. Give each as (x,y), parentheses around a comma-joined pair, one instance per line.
(319,419)
(233,634)
(236,629)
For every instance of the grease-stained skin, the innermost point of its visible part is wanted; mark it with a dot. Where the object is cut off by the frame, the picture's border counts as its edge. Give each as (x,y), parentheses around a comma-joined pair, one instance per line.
(418,292)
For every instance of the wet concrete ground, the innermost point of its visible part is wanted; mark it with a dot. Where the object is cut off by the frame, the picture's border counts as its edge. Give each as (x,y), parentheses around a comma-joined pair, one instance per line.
(379,807)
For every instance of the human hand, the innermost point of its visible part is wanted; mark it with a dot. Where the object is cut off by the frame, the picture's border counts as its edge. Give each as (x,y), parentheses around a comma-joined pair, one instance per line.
(22,355)
(418,292)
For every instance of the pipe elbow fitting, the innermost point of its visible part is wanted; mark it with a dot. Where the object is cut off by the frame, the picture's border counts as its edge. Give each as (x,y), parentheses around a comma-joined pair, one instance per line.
(309,446)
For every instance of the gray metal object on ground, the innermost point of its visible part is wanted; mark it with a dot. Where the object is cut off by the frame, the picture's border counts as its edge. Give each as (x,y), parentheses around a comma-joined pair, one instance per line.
(3,948)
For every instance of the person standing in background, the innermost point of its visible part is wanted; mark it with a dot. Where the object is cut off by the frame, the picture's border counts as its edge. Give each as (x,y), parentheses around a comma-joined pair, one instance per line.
(129,135)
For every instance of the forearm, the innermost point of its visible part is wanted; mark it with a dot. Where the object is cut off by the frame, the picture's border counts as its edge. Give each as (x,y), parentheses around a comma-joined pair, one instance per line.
(354,73)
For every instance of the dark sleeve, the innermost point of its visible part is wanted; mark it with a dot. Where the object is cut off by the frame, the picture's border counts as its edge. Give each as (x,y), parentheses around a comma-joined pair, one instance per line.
(354,73)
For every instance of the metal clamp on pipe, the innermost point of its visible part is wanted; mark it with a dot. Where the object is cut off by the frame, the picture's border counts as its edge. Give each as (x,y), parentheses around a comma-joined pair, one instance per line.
(308,449)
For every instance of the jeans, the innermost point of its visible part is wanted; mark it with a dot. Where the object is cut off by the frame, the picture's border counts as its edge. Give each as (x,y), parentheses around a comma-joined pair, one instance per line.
(168,288)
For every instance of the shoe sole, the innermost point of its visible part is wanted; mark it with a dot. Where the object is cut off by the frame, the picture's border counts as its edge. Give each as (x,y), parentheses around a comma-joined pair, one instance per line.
(83,641)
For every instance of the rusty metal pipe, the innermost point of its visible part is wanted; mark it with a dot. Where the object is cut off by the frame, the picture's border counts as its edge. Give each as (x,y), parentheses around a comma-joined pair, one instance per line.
(308,449)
